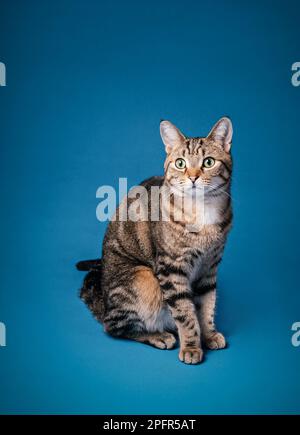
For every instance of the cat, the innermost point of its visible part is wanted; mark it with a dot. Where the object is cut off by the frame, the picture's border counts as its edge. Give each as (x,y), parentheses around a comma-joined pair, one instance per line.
(156,280)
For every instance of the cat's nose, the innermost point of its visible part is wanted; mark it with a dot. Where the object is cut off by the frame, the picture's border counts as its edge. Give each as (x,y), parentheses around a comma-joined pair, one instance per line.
(193,179)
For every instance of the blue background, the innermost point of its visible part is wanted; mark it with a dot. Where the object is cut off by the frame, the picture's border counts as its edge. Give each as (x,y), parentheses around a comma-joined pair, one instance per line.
(87,84)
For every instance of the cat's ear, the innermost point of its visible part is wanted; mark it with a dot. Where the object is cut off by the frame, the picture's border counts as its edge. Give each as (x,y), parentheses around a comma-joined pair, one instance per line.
(222,133)
(171,136)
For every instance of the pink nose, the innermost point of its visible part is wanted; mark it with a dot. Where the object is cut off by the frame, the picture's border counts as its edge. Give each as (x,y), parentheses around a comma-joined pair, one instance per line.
(193,179)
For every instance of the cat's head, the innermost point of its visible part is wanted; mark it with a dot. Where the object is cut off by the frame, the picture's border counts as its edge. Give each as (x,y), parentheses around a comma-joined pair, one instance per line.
(197,162)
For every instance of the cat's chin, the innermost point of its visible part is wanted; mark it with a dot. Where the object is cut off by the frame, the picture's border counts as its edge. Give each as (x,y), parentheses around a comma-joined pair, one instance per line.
(192,191)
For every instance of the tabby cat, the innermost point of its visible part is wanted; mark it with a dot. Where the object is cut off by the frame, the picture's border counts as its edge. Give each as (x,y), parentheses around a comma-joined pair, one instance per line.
(156,280)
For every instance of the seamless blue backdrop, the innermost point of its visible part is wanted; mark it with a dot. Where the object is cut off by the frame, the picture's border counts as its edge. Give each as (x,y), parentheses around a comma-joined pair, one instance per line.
(87,84)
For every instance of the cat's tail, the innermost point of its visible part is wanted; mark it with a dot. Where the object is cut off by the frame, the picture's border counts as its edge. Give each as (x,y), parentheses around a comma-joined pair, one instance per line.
(88,265)
(91,292)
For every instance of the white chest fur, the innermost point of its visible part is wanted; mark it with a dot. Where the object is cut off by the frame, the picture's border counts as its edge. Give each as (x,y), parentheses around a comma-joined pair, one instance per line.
(208,213)
(212,210)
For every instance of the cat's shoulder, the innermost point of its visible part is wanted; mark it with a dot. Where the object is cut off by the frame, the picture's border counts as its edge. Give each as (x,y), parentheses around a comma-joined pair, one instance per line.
(153,181)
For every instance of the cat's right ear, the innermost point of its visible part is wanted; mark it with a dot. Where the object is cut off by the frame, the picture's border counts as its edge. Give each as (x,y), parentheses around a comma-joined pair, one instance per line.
(171,136)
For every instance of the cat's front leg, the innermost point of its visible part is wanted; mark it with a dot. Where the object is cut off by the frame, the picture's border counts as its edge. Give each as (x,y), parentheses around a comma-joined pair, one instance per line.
(205,298)
(178,296)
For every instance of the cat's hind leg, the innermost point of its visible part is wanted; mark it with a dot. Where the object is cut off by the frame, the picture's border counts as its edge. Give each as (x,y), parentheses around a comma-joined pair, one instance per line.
(138,312)
(161,340)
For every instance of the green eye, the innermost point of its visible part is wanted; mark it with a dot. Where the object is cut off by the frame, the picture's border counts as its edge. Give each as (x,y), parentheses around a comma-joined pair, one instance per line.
(208,162)
(180,164)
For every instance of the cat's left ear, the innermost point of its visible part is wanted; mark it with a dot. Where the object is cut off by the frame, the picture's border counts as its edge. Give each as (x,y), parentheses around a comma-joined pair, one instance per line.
(222,133)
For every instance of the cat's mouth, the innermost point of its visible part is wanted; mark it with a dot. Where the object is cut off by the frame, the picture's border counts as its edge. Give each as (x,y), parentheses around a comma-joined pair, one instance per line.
(187,190)
(196,186)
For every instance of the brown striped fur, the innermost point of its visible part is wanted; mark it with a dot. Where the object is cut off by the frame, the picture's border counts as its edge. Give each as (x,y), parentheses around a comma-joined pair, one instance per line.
(157,279)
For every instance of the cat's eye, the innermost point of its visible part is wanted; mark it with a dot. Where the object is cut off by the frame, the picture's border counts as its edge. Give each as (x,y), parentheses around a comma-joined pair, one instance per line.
(208,162)
(180,164)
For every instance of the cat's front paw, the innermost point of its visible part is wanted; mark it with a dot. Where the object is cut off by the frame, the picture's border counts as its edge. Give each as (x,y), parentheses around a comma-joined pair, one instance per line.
(215,341)
(190,355)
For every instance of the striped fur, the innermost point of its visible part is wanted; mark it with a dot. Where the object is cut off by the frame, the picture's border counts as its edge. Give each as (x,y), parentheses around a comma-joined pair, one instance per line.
(157,280)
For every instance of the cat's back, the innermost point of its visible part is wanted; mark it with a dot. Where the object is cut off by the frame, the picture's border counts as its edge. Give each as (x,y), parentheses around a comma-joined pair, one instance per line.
(156,181)
(129,236)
